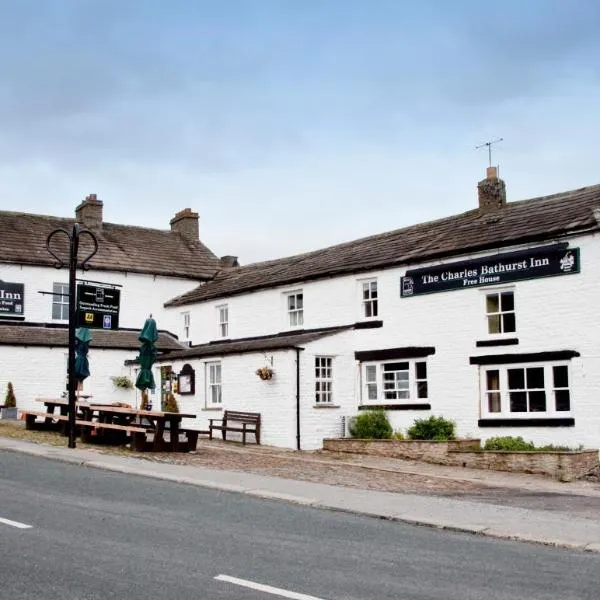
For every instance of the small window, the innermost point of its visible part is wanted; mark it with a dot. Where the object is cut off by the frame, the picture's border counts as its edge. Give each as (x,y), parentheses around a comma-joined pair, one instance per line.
(295,307)
(60,301)
(500,309)
(323,380)
(526,390)
(371,382)
(421,379)
(369,299)
(493,391)
(186,325)
(562,397)
(214,383)
(223,319)
(395,381)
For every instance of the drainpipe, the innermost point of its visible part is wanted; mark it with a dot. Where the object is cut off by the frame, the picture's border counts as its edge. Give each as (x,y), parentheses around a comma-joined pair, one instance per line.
(298,398)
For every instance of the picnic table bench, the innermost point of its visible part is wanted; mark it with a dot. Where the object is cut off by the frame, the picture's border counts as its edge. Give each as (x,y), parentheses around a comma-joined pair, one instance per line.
(118,424)
(249,421)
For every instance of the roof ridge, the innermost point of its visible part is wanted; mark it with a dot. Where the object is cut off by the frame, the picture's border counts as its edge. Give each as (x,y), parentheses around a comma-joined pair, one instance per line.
(391,232)
(524,221)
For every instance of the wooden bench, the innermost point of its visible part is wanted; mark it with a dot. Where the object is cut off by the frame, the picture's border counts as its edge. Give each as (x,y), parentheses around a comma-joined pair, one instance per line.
(138,434)
(250,423)
(192,436)
(31,415)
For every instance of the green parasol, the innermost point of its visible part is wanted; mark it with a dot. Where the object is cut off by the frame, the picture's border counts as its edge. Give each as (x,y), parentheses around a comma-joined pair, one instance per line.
(147,355)
(83,337)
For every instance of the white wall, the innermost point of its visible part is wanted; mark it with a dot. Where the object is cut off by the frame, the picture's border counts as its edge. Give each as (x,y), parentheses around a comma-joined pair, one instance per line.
(275,399)
(42,372)
(140,294)
(553,313)
(243,390)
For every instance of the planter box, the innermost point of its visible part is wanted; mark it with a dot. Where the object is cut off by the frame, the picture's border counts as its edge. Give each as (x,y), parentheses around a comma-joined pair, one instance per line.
(564,466)
(8,413)
(427,451)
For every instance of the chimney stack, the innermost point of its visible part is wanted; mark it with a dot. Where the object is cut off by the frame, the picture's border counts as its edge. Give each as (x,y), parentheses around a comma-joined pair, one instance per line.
(492,192)
(229,262)
(185,223)
(89,213)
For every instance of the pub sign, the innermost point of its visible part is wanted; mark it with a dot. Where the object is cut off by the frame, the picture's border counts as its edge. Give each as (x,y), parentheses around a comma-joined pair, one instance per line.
(98,306)
(12,296)
(546,261)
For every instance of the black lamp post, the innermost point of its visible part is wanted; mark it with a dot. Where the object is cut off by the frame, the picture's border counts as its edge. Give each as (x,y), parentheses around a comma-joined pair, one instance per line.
(73,238)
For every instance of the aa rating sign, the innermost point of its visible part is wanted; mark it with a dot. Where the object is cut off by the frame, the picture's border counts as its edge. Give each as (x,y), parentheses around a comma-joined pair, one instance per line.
(98,307)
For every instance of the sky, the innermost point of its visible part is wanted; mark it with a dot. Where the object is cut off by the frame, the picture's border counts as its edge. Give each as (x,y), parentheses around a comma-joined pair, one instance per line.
(292,125)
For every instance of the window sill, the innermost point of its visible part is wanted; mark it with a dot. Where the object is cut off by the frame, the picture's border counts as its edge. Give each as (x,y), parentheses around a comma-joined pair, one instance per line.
(216,408)
(542,422)
(395,406)
(498,342)
(324,405)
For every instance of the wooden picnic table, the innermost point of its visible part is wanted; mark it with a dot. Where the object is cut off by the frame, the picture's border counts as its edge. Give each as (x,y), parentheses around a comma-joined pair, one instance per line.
(156,422)
(120,421)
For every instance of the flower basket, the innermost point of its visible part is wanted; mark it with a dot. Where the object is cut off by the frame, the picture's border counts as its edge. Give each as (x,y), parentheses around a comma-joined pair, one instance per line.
(265,373)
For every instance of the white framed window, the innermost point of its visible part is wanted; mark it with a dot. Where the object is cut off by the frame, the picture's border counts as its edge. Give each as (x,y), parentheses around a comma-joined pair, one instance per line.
(295,309)
(60,301)
(223,320)
(186,325)
(500,312)
(532,389)
(323,379)
(369,299)
(396,381)
(213,384)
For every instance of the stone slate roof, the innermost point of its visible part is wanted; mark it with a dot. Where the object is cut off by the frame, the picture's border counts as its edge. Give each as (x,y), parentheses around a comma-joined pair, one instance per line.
(280,341)
(526,221)
(40,335)
(120,247)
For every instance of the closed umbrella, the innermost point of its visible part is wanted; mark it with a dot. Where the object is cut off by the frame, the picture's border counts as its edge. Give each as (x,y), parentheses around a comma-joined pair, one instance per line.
(147,355)
(83,337)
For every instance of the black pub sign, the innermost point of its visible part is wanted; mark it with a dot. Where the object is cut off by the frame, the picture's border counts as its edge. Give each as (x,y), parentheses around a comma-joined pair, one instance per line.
(546,261)
(12,297)
(98,306)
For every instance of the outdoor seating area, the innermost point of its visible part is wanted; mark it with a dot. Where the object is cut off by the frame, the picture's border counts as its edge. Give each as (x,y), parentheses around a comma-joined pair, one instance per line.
(236,421)
(145,430)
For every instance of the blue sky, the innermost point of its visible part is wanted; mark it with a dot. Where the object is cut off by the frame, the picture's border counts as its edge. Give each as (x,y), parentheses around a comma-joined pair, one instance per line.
(291,125)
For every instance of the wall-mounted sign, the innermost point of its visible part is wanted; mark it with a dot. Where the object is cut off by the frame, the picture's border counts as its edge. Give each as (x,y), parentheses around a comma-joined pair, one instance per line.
(187,380)
(546,261)
(12,296)
(98,307)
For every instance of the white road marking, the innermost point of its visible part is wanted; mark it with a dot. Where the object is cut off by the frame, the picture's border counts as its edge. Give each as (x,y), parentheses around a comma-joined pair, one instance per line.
(266,588)
(15,524)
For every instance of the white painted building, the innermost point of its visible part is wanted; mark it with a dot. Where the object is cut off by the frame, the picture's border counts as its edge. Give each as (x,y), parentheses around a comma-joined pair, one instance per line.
(147,266)
(488,318)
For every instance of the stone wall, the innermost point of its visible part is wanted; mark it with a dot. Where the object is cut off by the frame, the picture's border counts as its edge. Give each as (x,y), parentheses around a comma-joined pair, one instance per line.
(564,466)
(427,451)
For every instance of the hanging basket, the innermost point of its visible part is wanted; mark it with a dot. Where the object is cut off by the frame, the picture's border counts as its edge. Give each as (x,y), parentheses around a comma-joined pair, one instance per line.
(265,373)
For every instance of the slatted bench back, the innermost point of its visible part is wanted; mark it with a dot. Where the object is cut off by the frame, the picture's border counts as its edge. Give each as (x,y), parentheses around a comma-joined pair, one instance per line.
(241,417)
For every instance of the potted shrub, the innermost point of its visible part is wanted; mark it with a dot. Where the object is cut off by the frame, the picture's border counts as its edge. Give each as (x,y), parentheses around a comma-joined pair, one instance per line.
(9,410)
(171,404)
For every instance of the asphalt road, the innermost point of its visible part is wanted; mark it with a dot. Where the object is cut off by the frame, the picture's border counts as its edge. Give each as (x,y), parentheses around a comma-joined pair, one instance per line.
(102,535)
